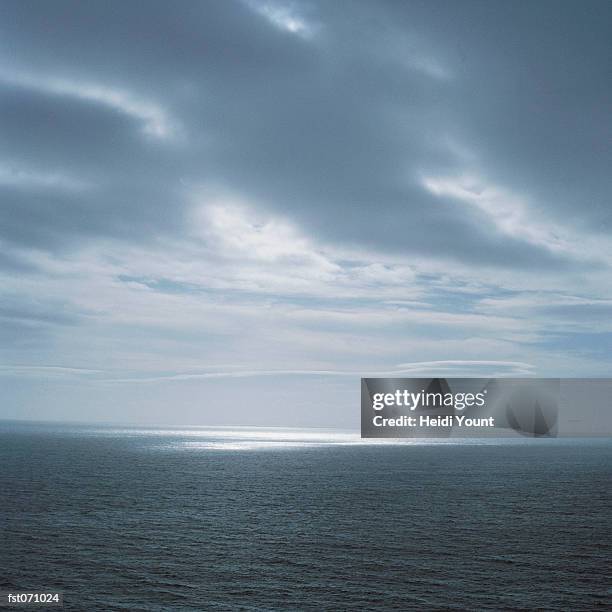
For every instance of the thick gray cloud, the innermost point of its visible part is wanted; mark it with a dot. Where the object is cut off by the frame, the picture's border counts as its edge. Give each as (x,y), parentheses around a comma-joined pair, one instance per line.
(418,177)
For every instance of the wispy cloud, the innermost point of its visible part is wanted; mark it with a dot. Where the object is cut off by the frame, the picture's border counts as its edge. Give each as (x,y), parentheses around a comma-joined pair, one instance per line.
(508,213)
(155,120)
(283,15)
(42,371)
(424,368)
(16,175)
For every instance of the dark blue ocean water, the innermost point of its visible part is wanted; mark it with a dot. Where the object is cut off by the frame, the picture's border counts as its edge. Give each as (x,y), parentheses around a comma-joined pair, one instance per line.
(287,520)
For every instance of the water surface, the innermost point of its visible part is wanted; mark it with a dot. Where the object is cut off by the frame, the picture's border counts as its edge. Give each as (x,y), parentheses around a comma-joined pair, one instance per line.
(236,518)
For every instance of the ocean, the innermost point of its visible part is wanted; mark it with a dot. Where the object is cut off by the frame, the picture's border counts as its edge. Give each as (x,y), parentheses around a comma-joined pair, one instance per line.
(126,518)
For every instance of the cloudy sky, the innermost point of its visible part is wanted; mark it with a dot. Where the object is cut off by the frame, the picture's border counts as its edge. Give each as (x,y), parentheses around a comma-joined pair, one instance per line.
(226,212)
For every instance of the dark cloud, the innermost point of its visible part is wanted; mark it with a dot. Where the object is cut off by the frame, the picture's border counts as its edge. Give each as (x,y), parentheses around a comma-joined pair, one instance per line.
(334,130)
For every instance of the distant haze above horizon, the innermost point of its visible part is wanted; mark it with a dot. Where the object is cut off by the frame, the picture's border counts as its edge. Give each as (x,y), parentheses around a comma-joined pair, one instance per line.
(226,212)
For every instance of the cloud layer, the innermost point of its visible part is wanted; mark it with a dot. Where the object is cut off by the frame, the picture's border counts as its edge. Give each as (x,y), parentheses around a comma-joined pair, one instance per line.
(230,190)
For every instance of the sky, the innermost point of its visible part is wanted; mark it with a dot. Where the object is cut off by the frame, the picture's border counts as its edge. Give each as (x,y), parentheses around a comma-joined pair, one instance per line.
(226,212)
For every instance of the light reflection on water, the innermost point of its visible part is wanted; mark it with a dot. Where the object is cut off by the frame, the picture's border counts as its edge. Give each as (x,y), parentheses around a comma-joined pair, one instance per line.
(258,438)
(235,438)
(253,439)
